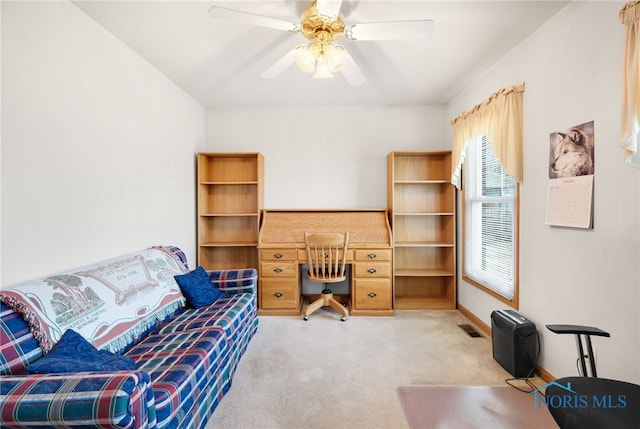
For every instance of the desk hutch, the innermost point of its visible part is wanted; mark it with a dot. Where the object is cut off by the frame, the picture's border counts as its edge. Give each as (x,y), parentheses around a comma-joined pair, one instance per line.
(402,257)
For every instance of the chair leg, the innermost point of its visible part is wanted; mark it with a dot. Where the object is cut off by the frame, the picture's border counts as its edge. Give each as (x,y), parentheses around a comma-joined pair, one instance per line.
(315,305)
(326,300)
(336,305)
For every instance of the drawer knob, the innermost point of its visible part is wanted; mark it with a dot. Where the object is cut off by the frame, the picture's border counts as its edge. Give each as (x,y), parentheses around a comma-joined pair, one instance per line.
(277,270)
(372,256)
(277,255)
(371,270)
(278,294)
(372,294)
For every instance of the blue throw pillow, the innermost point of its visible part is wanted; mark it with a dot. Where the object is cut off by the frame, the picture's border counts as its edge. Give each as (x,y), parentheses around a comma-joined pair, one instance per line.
(75,354)
(197,288)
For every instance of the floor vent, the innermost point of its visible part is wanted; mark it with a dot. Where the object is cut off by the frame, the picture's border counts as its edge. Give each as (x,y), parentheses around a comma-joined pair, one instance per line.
(470,330)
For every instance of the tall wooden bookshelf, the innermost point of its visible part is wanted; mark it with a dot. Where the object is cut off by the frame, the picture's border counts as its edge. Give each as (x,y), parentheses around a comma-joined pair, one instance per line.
(422,210)
(230,200)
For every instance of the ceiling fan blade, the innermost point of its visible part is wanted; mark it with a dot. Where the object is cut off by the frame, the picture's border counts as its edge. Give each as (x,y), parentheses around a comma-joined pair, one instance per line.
(328,9)
(281,65)
(351,72)
(252,18)
(398,30)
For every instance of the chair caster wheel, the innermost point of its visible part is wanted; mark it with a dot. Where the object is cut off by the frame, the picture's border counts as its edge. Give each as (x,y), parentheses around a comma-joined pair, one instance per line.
(343,318)
(305,318)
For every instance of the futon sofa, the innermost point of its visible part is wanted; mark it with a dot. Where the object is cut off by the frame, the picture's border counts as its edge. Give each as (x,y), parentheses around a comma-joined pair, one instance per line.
(118,344)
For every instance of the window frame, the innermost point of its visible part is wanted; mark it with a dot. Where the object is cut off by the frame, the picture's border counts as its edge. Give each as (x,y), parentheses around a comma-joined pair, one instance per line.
(514,302)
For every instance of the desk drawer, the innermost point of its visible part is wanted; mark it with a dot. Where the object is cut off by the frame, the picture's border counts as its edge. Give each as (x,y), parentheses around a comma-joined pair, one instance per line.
(372,294)
(278,254)
(372,269)
(373,255)
(279,294)
(303,258)
(279,269)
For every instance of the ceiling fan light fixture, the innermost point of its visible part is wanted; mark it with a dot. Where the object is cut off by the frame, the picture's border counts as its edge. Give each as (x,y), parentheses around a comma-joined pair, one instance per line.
(322,69)
(321,59)
(306,58)
(334,56)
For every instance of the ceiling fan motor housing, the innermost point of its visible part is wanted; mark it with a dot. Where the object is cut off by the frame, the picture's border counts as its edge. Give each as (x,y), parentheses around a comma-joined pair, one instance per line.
(318,29)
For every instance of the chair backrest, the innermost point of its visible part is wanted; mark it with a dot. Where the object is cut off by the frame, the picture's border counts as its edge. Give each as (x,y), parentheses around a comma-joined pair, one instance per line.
(326,256)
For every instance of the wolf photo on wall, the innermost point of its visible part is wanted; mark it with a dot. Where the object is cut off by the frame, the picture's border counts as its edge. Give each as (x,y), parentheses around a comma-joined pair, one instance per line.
(572,152)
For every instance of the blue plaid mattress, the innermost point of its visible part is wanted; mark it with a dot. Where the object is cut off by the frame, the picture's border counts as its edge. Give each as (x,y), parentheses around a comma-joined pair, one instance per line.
(182,366)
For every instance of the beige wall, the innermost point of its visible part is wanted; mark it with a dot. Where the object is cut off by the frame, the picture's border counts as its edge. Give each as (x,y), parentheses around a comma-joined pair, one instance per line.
(326,157)
(572,70)
(97,146)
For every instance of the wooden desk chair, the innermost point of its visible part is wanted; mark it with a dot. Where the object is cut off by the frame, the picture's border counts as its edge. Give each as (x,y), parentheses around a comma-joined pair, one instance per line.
(326,258)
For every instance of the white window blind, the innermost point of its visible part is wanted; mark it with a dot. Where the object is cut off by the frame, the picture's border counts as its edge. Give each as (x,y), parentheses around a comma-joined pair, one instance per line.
(490,223)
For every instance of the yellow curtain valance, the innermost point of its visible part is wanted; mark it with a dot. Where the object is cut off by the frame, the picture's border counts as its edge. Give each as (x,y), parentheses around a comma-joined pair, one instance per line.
(630,133)
(500,119)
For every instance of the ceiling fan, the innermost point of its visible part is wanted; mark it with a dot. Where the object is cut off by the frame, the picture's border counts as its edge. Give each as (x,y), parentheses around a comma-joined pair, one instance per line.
(322,25)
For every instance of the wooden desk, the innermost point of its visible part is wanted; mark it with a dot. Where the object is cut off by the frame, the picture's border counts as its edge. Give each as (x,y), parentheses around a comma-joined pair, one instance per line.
(281,250)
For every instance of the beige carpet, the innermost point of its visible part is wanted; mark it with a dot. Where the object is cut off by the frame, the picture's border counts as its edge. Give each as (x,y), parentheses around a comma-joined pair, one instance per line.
(324,373)
(490,407)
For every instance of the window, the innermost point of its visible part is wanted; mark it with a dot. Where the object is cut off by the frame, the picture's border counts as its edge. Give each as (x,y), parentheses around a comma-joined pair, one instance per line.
(490,223)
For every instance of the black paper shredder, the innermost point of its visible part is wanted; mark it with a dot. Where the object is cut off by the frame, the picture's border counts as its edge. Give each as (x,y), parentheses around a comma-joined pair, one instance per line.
(515,342)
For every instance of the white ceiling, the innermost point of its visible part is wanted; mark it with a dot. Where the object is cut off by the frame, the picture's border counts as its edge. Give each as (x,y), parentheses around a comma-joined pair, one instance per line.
(219,62)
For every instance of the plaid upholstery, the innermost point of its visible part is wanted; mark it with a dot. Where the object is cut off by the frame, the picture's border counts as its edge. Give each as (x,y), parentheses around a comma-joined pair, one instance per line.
(108,400)
(182,366)
(200,415)
(235,281)
(178,255)
(234,314)
(18,348)
(185,366)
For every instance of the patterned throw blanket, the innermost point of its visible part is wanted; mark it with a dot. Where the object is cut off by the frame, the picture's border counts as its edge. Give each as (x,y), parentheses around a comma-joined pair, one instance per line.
(110,303)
